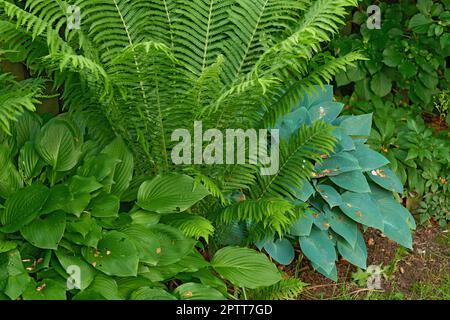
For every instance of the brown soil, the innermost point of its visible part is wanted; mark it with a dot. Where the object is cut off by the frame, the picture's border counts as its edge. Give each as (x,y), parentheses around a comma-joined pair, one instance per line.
(431,255)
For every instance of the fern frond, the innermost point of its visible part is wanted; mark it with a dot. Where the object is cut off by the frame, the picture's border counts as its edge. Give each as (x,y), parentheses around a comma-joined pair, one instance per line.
(286,289)
(191,225)
(16,98)
(297,158)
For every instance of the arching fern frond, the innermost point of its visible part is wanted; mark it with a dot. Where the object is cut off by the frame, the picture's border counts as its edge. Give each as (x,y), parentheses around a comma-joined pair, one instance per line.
(191,225)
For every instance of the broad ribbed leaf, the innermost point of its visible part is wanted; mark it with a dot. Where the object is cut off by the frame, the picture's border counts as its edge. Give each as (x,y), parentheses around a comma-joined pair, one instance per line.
(23,207)
(245,267)
(357,125)
(170,193)
(105,206)
(45,232)
(68,262)
(342,225)
(330,195)
(10,179)
(123,171)
(353,181)
(369,159)
(280,250)
(56,145)
(47,289)
(387,179)
(159,245)
(319,248)
(115,255)
(363,209)
(303,226)
(147,293)
(197,291)
(356,254)
(337,164)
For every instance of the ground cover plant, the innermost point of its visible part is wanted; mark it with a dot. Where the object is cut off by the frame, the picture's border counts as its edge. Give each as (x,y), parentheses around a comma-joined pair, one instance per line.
(96,187)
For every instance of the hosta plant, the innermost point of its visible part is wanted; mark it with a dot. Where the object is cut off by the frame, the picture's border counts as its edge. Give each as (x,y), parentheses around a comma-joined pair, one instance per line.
(351,187)
(65,231)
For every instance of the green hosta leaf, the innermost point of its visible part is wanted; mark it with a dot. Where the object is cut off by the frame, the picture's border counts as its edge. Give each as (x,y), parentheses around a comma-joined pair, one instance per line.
(10,179)
(356,254)
(100,166)
(197,291)
(145,218)
(16,285)
(353,181)
(30,164)
(303,226)
(56,145)
(342,225)
(147,293)
(369,159)
(159,245)
(124,170)
(330,195)
(102,288)
(380,84)
(357,125)
(71,263)
(23,207)
(319,248)
(387,179)
(280,250)
(408,69)
(61,198)
(116,255)
(84,231)
(170,193)
(13,274)
(6,246)
(79,184)
(105,206)
(47,289)
(245,267)
(130,284)
(337,164)
(363,209)
(45,232)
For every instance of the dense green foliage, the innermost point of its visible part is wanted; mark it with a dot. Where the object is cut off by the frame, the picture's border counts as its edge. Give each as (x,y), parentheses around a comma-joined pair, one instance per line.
(404,82)
(96,187)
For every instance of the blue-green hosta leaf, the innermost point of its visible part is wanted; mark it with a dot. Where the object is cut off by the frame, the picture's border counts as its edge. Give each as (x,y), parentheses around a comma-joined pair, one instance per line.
(356,254)
(22,207)
(379,194)
(330,275)
(369,159)
(146,293)
(337,164)
(116,255)
(317,95)
(72,264)
(397,221)
(280,250)
(357,125)
(159,245)
(319,248)
(342,225)
(123,172)
(292,121)
(170,193)
(353,181)
(305,192)
(363,209)
(345,142)
(330,195)
(320,220)
(197,291)
(47,289)
(387,179)
(327,111)
(45,232)
(245,267)
(105,206)
(303,226)
(57,147)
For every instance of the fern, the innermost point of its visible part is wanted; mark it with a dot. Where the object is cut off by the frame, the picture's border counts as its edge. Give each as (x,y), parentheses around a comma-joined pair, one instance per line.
(286,289)
(191,225)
